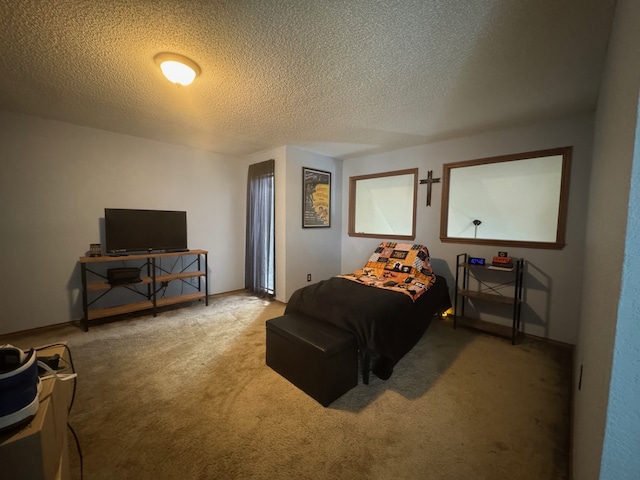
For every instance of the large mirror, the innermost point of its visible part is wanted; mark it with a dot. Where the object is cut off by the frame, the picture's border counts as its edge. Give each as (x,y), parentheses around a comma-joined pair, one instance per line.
(511,200)
(383,205)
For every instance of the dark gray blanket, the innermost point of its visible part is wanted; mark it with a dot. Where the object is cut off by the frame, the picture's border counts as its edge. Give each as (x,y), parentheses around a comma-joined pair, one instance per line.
(386,324)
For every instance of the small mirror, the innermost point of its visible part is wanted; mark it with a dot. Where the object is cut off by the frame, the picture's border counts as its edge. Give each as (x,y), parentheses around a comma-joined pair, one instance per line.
(383,205)
(512,200)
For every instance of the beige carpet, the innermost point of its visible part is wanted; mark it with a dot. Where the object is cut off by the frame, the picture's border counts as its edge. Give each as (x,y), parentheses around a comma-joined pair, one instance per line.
(187,395)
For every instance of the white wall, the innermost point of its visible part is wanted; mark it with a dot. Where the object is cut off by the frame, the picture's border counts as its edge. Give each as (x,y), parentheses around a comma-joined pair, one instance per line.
(604,259)
(300,251)
(311,250)
(57,178)
(553,277)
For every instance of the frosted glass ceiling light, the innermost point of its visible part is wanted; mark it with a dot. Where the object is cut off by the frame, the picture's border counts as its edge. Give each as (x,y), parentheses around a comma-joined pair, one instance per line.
(177,68)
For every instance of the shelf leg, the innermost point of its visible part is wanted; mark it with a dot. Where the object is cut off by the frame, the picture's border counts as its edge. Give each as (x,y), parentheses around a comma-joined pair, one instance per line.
(154,291)
(85,308)
(206,279)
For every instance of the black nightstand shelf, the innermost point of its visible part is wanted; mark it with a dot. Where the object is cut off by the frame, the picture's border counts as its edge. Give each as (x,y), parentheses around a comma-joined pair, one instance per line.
(503,286)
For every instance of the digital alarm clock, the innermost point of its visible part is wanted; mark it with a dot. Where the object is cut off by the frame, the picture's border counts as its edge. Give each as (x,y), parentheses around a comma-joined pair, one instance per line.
(476,261)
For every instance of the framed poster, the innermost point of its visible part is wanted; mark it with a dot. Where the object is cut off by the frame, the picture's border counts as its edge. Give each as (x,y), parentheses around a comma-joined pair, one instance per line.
(316,198)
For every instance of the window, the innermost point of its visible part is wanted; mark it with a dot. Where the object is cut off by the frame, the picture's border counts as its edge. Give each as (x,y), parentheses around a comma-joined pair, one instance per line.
(260,241)
(511,200)
(383,205)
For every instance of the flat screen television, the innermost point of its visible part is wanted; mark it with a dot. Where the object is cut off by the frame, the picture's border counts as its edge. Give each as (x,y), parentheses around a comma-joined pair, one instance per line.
(129,230)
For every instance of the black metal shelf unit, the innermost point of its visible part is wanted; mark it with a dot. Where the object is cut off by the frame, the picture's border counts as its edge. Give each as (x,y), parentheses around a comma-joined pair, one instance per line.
(148,287)
(487,289)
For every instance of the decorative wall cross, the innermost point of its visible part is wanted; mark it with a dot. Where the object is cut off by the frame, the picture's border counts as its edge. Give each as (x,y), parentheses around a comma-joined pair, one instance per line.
(429,181)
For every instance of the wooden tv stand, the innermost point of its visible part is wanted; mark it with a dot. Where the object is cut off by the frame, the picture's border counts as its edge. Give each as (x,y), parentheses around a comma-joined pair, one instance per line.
(153,278)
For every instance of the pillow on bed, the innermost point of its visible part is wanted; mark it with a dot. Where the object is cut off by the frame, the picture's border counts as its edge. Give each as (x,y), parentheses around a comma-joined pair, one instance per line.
(402,267)
(409,258)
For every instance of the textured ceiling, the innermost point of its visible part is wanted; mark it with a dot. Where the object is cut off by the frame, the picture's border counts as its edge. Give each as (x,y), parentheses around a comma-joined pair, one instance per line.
(343,78)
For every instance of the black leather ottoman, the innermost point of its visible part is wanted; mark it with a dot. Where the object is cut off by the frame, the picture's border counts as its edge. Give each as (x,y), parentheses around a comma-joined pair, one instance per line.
(317,357)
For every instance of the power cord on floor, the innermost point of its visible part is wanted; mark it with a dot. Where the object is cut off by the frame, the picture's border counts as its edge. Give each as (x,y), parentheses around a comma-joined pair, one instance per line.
(73,397)
(75,437)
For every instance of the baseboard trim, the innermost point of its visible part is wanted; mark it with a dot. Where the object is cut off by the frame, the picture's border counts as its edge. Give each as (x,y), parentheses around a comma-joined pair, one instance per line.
(6,337)
(504,331)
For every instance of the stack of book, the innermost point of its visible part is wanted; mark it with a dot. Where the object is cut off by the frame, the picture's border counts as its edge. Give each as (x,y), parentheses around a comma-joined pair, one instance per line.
(502,263)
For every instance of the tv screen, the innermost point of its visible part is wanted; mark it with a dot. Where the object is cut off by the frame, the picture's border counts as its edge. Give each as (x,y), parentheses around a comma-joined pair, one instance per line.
(129,230)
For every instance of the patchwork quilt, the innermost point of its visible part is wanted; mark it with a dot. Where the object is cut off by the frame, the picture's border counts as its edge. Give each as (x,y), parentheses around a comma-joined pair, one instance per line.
(401,267)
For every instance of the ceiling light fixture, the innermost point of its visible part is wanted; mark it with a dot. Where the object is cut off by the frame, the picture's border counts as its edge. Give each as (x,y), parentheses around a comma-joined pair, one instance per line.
(177,68)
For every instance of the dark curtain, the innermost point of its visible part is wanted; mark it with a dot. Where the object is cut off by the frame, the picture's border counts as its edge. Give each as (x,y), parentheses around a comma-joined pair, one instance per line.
(259,274)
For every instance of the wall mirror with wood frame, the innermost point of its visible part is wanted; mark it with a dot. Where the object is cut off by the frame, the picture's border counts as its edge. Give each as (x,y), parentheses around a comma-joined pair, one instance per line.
(383,205)
(511,200)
